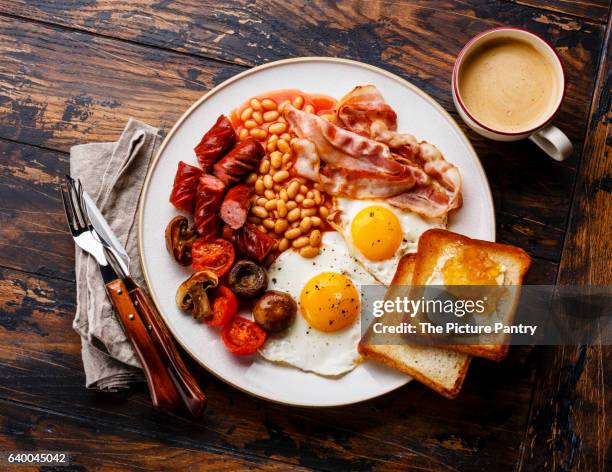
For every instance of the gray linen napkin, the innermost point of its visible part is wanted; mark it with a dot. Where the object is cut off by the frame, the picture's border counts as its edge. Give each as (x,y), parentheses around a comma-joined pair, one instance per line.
(113,175)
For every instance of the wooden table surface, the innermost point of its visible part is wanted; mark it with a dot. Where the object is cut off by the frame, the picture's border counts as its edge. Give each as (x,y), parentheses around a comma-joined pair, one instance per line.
(74,71)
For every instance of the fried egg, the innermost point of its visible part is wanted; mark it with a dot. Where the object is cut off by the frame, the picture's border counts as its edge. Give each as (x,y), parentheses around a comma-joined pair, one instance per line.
(466,266)
(378,234)
(324,335)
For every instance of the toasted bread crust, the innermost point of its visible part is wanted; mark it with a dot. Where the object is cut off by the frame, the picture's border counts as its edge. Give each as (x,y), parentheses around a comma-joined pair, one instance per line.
(493,352)
(432,242)
(371,353)
(405,270)
(403,276)
(432,245)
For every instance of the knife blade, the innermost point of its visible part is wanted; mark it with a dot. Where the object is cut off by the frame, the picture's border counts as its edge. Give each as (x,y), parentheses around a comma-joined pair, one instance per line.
(160,381)
(183,380)
(106,234)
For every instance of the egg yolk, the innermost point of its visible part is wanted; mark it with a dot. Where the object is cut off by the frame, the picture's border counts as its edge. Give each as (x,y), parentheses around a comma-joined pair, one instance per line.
(329,302)
(376,232)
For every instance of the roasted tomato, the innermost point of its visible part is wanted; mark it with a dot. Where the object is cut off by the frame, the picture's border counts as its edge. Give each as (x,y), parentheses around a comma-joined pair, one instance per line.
(242,336)
(224,307)
(216,255)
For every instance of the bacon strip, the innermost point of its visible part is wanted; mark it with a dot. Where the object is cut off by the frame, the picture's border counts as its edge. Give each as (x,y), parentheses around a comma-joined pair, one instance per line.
(339,147)
(346,163)
(364,106)
(368,158)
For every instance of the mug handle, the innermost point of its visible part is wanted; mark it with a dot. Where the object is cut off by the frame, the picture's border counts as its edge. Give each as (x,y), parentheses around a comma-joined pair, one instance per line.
(553,142)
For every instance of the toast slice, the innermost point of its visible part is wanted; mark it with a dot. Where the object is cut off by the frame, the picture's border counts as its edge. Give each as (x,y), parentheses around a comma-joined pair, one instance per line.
(440,369)
(474,262)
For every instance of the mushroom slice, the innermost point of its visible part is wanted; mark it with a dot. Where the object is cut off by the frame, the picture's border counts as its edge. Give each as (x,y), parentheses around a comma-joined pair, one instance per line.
(191,294)
(247,279)
(179,239)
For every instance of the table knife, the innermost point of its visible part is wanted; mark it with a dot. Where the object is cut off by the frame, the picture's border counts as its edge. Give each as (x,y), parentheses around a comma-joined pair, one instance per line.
(168,363)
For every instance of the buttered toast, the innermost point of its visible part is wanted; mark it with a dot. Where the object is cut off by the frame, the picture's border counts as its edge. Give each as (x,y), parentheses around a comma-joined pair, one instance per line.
(440,369)
(447,258)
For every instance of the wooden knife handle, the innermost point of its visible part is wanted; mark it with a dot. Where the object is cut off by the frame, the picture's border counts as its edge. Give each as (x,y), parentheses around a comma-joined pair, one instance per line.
(161,387)
(184,381)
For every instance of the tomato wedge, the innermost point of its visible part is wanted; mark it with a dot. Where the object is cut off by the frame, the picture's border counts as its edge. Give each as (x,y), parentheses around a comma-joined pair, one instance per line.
(224,306)
(216,255)
(242,336)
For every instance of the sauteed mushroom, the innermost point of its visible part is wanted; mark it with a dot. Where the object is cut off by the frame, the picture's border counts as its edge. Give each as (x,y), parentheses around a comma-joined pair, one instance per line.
(191,294)
(274,311)
(179,239)
(247,279)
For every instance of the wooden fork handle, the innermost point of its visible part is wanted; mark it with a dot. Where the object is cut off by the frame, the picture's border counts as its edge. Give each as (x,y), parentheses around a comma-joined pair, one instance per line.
(161,387)
(184,381)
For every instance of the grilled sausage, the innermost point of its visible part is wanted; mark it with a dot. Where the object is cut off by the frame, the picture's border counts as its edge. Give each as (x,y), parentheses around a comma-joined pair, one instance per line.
(217,142)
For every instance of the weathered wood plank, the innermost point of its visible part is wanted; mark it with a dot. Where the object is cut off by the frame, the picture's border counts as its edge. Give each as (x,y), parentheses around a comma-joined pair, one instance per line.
(33,232)
(92,93)
(40,367)
(569,426)
(418,40)
(60,88)
(100,446)
(596,10)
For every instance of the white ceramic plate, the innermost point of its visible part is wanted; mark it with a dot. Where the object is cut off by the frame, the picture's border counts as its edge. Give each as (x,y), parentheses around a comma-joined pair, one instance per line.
(417,113)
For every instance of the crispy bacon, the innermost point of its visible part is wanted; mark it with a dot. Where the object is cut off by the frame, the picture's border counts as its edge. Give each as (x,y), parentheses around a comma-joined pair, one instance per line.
(363,184)
(209,196)
(184,189)
(236,204)
(368,158)
(363,106)
(444,190)
(217,141)
(241,160)
(339,147)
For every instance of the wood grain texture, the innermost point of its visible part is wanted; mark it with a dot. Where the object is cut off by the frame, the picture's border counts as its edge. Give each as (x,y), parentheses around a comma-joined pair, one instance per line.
(60,88)
(40,367)
(71,87)
(33,232)
(417,40)
(27,427)
(151,60)
(569,427)
(596,10)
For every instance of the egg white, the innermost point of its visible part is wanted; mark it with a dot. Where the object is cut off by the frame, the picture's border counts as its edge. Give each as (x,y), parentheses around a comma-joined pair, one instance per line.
(413,225)
(301,346)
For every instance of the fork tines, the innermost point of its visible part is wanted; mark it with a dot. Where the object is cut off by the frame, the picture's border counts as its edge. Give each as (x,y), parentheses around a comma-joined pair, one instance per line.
(77,218)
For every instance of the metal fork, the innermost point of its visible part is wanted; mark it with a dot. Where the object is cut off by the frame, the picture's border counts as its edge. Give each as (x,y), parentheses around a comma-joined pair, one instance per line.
(161,383)
(79,224)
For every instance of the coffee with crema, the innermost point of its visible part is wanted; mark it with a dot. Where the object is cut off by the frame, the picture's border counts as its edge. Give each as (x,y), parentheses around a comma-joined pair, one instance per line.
(508,85)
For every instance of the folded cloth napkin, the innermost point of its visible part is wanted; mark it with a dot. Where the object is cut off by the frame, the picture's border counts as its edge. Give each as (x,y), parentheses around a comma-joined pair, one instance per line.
(113,175)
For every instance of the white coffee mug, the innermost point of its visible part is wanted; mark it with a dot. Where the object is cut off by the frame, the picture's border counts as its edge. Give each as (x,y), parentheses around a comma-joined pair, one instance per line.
(547,136)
